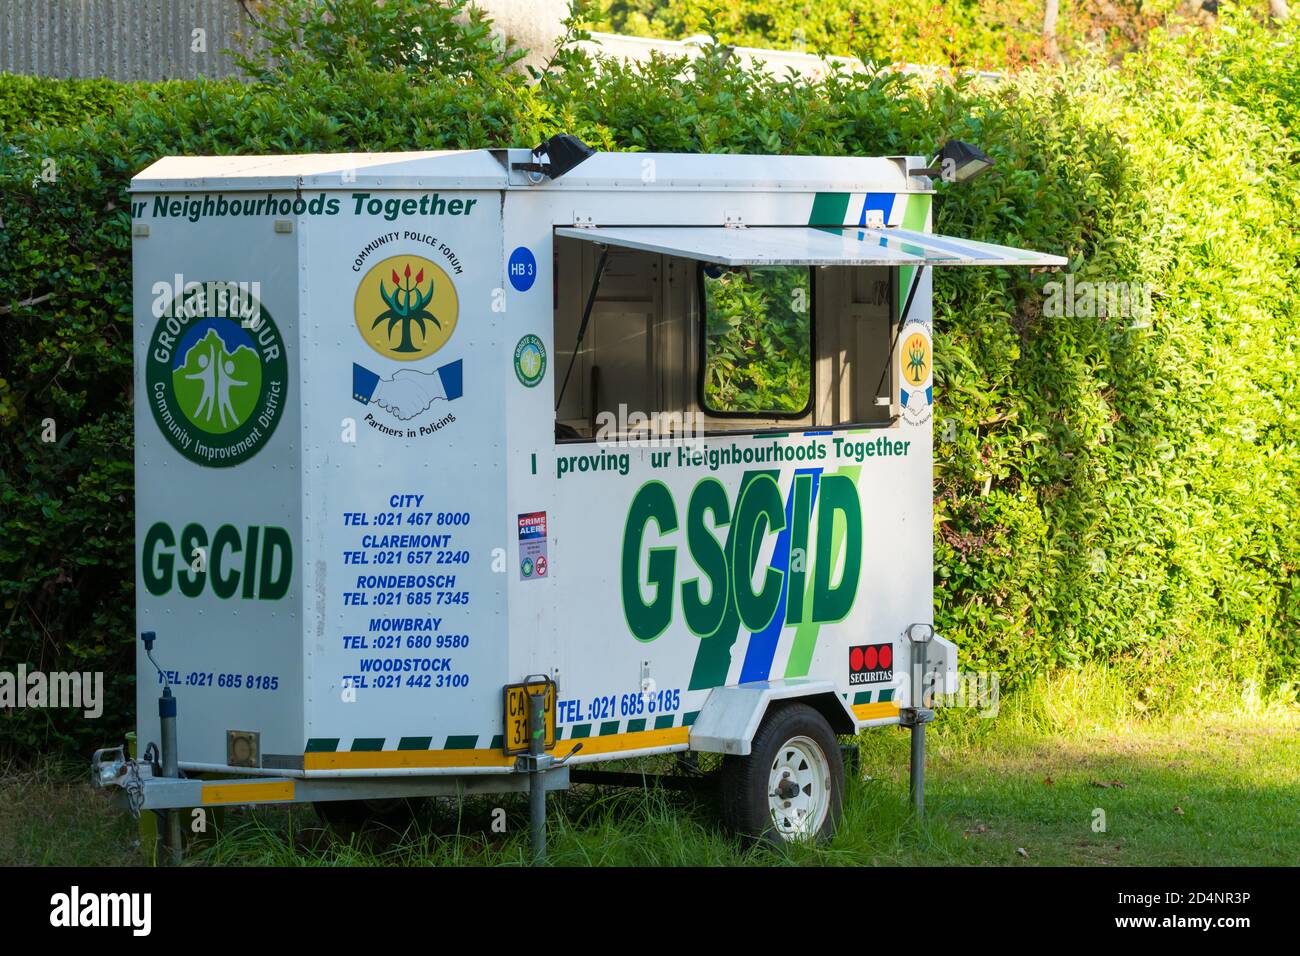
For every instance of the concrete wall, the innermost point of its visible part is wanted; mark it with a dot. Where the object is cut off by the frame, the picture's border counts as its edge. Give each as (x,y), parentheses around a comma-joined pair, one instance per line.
(534,25)
(776,62)
(155,39)
(119,39)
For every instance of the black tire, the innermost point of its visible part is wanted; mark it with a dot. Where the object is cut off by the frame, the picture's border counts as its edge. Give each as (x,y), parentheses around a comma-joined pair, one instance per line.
(782,741)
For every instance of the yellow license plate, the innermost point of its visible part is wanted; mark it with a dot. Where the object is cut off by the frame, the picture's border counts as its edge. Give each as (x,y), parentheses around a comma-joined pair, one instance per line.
(516,705)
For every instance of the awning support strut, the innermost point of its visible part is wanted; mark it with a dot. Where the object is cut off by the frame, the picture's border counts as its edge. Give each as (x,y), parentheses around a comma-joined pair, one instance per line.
(586,317)
(902,321)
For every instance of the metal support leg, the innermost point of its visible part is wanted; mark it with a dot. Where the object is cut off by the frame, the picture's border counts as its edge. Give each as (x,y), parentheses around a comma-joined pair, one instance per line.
(536,791)
(170,768)
(918,715)
(918,769)
(535,761)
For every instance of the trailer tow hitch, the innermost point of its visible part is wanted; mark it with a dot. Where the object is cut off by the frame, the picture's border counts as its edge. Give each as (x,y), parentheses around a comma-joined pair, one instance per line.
(111,767)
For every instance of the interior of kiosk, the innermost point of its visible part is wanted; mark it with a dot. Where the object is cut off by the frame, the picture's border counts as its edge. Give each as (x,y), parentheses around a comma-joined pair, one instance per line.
(651,323)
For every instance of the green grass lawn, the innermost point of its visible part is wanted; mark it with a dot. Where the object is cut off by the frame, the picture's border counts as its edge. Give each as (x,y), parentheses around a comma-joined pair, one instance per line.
(1214,789)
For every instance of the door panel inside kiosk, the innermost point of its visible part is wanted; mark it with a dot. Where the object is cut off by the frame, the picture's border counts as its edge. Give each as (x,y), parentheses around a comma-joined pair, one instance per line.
(643,350)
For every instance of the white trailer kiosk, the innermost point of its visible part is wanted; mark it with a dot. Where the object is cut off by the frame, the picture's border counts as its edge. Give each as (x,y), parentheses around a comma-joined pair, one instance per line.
(423,440)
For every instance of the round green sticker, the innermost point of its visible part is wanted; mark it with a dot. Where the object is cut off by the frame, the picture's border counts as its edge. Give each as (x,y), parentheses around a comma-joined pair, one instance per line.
(530,360)
(217,384)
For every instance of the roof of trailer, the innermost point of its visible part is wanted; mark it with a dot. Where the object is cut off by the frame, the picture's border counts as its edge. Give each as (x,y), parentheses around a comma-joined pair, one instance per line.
(490,169)
(448,169)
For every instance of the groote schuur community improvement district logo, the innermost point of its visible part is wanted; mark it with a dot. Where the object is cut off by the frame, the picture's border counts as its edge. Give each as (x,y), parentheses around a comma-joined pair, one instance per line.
(406,308)
(217,383)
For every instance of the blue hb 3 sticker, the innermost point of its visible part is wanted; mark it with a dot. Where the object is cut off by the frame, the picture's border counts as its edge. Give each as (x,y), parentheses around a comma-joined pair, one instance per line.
(522,269)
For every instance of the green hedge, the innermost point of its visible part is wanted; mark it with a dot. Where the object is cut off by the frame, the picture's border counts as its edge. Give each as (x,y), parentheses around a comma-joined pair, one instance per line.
(28,102)
(1105,492)
(971,34)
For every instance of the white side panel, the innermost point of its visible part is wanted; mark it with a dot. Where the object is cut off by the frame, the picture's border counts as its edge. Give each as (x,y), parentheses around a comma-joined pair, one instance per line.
(627,529)
(218,539)
(405,483)
(538,625)
(630,541)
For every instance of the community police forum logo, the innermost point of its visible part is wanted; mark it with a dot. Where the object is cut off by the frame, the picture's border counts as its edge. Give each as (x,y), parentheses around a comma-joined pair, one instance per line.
(406,308)
(916,374)
(217,377)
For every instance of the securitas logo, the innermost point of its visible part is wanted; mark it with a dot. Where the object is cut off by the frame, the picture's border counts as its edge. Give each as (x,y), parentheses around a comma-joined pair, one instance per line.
(871,664)
(217,376)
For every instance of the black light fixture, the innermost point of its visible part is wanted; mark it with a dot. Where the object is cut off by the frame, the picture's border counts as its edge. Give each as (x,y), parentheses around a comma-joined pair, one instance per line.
(957,162)
(562,152)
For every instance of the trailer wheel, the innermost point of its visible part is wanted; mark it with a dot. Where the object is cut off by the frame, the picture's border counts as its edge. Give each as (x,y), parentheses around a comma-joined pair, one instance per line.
(791,786)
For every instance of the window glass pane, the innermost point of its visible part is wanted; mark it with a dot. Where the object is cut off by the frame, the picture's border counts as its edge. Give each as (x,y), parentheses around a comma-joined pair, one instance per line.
(757,340)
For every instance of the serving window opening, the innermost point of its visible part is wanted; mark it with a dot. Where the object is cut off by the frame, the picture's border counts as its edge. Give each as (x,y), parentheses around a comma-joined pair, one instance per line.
(756,341)
(676,347)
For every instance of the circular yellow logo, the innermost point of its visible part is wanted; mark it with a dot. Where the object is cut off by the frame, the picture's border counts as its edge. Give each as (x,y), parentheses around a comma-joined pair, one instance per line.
(406,308)
(915,360)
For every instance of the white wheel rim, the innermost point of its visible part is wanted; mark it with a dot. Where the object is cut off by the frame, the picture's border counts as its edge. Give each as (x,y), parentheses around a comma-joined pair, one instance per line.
(798,789)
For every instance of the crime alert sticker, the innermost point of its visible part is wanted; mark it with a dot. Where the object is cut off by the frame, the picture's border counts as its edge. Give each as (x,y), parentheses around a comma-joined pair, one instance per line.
(532,546)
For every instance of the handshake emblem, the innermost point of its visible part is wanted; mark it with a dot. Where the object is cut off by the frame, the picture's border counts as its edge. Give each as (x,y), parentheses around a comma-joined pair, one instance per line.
(408,392)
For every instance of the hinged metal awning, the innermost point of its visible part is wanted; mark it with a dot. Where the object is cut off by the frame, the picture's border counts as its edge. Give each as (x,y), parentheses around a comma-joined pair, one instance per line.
(809,246)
